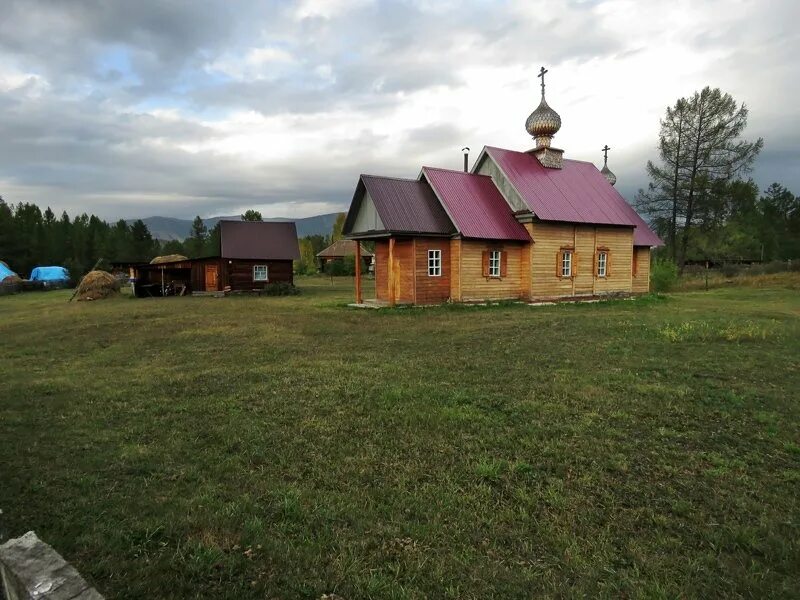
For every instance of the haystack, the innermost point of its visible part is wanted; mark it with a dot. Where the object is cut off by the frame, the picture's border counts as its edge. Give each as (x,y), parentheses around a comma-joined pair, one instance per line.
(168,259)
(97,285)
(11,279)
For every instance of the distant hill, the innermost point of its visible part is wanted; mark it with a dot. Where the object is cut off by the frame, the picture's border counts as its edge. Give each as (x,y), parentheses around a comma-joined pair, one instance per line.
(168,228)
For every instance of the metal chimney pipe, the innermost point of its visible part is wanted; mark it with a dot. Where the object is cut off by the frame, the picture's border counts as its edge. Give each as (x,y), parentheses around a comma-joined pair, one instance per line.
(465,150)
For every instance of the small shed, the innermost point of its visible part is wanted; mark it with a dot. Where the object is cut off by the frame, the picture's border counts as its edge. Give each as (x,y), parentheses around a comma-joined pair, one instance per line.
(252,255)
(340,249)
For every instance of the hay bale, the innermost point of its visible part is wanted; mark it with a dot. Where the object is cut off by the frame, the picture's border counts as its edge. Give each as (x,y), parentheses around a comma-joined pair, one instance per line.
(168,258)
(97,285)
(12,279)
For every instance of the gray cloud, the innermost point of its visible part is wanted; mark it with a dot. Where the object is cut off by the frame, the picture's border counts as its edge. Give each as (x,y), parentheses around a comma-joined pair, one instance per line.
(118,113)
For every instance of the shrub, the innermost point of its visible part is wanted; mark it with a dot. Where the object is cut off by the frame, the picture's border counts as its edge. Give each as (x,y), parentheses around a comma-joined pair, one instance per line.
(663,275)
(281,288)
(731,270)
(775,266)
(341,267)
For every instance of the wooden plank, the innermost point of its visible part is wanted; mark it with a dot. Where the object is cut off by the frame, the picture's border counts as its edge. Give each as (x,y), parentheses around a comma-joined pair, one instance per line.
(359,298)
(391,266)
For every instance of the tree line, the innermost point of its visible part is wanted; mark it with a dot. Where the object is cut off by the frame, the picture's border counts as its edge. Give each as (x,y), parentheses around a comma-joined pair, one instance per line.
(30,237)
(699,199)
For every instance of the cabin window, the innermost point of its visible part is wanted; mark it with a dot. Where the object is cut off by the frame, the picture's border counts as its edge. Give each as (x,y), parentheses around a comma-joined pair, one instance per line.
(566,263)
(602,263)
(260,273)
(494,263)
(434,263)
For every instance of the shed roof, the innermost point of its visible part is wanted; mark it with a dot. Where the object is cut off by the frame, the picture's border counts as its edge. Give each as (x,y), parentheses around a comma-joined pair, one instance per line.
(259,240)
(342,248)
(404,206)
(475,205)
(576,193)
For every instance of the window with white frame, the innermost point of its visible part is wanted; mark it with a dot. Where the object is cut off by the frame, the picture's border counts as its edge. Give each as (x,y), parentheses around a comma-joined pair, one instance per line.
(260,273)
(494,263)
(602,263)
(566,263)
(434,263)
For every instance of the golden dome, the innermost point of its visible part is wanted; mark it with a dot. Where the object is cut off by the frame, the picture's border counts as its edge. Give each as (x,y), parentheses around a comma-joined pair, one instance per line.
(543,123)
(612,179)
(605,171)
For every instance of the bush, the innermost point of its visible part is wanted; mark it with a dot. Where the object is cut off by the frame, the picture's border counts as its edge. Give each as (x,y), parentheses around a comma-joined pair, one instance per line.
(663,275)
(281,288)
(731,270)
(341,267)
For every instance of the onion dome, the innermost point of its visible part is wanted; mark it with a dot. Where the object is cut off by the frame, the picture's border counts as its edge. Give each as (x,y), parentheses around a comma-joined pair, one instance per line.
(607,173)
(612,179)
(544,122)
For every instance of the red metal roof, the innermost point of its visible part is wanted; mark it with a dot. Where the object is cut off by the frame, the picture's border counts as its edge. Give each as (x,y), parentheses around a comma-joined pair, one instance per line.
(259,240)
(475,205)
(404,206)
(576,193)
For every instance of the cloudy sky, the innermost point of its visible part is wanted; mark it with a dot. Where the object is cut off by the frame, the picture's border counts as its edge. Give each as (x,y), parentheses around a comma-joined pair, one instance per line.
(177,107)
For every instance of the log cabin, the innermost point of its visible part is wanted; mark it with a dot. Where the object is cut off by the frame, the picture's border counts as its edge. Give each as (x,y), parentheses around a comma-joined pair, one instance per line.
(520,225)
(252,255)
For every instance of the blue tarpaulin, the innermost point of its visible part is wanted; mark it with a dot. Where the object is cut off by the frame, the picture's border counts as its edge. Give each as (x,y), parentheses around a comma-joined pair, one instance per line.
(49,274)
(5,272)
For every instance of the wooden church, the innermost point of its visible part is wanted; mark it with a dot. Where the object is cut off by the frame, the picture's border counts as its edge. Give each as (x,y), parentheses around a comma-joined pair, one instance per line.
(523,225)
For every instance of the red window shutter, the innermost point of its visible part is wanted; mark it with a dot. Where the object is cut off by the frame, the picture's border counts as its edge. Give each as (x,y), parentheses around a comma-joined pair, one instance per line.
(559,259)
(608,263)
(574,264)
(503,263)
(596,264)
(485,263)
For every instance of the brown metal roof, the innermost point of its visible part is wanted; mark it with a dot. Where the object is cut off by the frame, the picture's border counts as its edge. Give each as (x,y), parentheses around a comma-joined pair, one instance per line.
(259,240)
(341,248)
(404,206)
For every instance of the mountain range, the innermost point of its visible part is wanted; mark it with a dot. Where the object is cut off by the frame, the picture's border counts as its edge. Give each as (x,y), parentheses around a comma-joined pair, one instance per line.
(169,228)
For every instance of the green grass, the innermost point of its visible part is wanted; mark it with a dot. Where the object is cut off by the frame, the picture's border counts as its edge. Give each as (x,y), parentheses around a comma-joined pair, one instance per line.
(290,447)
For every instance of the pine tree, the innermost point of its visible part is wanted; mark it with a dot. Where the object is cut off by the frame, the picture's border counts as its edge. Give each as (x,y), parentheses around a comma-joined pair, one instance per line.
(196,242)
(700,147)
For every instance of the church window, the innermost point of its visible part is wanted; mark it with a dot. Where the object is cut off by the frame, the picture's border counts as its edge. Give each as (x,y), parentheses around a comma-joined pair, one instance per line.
(602,263)
(434,263)
(494,263)
(566,263)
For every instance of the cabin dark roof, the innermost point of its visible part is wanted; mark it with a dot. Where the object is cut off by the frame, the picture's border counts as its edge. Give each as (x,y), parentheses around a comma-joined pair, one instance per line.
(576,193)
(259,240)
(403,205)
(475,205)
(341,248)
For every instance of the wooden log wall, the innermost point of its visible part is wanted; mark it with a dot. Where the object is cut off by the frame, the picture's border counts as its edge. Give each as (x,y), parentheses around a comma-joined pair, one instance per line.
(476,286)
(641,269)
(430,289)
(584,241)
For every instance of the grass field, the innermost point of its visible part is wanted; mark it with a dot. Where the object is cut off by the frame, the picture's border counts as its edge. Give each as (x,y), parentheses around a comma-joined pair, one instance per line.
(290,447)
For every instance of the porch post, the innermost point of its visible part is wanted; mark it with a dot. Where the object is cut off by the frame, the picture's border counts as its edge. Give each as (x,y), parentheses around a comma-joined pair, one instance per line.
(359,298)
(390,272)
